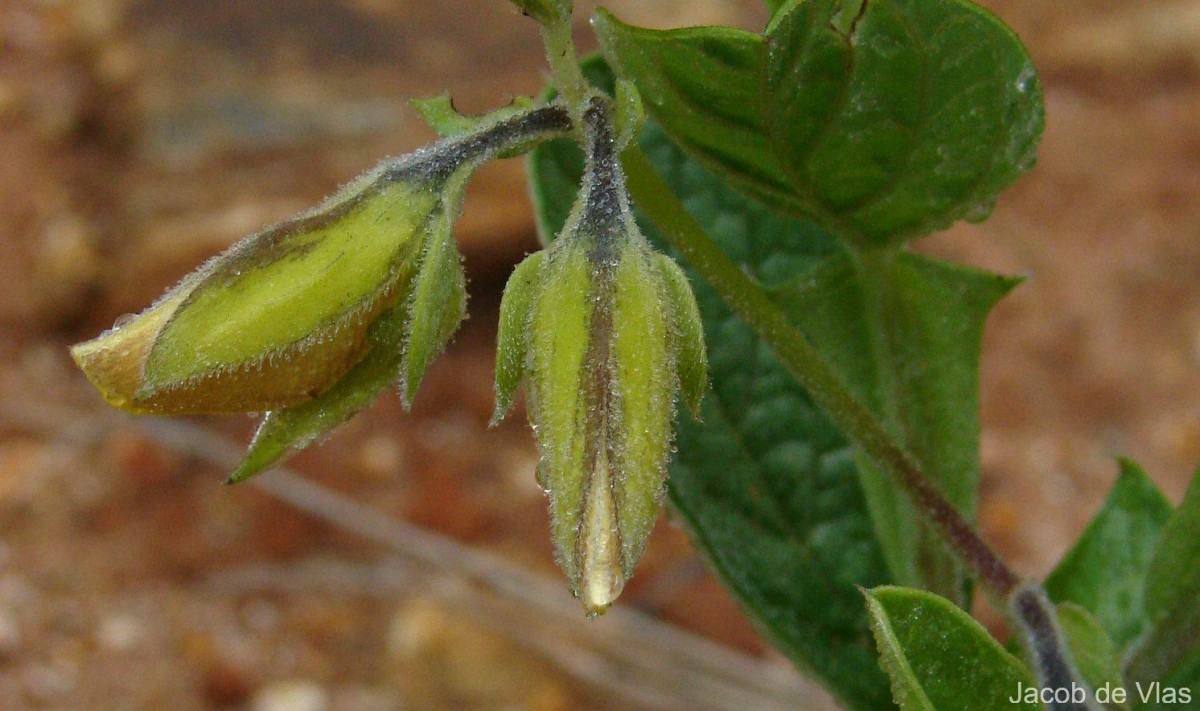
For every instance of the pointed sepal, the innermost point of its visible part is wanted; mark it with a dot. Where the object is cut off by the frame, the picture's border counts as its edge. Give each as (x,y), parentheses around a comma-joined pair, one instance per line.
(438,301)
(285,432)
(687,334)
(643,378)
(601,378)
(559,335)
(512,337)
(309,319)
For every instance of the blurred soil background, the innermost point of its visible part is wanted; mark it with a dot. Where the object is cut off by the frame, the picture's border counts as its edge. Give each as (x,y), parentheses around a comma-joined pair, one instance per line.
(138,137)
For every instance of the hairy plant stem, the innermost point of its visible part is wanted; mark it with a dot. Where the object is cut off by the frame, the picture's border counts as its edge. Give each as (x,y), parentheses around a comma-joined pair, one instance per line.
(564,67)
(1026,603)
(918,558)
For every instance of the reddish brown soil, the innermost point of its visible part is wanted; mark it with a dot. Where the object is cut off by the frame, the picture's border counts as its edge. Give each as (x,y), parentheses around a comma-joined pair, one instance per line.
(138,137)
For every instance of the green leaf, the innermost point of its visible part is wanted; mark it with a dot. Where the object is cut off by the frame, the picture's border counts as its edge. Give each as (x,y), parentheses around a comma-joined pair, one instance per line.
(939,659)
(1173,580)
(882,125)
(937,110)
(1106,569)
(1094,653)
(1170,651)
(767,484)
(701,86)
(904,333)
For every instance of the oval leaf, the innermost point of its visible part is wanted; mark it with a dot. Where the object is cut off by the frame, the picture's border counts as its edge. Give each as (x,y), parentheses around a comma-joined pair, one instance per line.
(939,659)
(701,85)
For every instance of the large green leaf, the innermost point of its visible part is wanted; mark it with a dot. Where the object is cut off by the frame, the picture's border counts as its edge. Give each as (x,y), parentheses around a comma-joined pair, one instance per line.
(904,334)
(939,659)
(1105,571)
(1134,570)
(882,120)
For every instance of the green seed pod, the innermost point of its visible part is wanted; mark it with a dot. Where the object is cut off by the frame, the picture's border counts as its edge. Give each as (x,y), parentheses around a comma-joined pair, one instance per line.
(601,324)
(312,317)
(401,343)
(278,318)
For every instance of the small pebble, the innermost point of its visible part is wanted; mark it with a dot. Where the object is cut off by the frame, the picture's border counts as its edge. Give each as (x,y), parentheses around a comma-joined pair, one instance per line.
(382,457)
(10,101)
(10,634)
(261,615)
(299,695)
(119,633)
(365,698)
(46,684)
